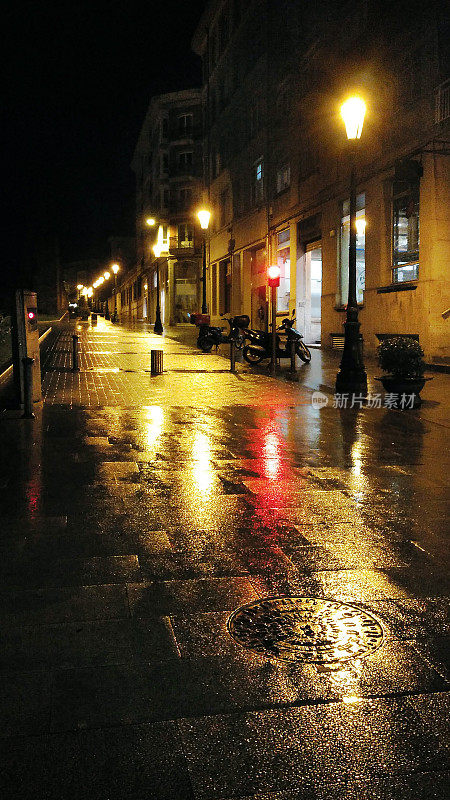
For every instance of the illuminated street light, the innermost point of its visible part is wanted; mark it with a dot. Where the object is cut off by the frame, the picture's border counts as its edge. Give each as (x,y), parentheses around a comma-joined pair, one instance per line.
(115,268)
(80,286)
(352,377)
(158,327)
(204,216)
(106,275)
(150,222)
(353,112)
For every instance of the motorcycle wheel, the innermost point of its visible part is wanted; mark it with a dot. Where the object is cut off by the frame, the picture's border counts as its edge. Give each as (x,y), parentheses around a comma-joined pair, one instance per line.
(252,357)
(205,343)
(303,352)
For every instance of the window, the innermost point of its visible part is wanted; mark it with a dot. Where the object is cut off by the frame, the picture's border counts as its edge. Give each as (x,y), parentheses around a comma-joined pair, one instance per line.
(164,199)
(164,128)
(185,124)
(284,263)
(185,235)
(258,182)
(164,163)
(184,197)
(164,237)
(405,235)
(283,178)
(185,160)
(344,241)
(225,207)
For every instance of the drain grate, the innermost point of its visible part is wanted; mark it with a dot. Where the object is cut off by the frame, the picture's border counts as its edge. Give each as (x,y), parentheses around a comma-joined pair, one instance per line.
(306,629)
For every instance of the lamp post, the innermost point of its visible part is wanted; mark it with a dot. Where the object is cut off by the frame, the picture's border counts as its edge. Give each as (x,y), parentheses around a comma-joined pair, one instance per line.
(115,268)
(273,276)
(204,217)
(352,377)
(158,328)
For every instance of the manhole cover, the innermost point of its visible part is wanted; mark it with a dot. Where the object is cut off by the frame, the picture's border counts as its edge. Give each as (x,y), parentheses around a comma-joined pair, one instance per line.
(305,629)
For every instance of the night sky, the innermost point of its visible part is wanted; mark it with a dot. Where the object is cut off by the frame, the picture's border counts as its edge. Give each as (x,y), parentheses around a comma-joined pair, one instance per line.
(79,79)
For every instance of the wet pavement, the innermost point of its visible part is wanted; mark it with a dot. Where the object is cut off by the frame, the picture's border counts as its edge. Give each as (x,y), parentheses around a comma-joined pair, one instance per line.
(140,513)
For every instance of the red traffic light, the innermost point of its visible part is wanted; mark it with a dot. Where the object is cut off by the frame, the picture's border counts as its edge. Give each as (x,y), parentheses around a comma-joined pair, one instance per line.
(273,275)
(31,315)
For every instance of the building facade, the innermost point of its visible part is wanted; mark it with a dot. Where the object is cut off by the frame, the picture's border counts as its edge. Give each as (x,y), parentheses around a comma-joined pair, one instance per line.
(277,163)
(168,164)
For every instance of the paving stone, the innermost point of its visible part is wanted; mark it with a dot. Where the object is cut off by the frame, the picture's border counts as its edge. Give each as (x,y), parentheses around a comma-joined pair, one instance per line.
(25,702)
(75,604)
(141,761)
(236,755)
(189,597)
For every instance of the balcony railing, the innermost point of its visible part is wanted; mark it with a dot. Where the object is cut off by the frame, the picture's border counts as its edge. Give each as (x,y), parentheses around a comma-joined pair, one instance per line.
(442,108)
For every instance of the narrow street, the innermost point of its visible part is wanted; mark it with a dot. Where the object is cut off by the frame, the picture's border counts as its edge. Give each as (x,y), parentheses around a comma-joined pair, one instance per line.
(140,512)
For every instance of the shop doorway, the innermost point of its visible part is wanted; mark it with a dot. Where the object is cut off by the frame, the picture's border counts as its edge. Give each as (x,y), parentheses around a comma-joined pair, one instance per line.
(309,293)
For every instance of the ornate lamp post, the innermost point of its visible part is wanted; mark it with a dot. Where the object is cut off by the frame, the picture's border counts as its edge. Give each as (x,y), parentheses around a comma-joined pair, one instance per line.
(204,217)
(115,268)
(352,377)
(158,328)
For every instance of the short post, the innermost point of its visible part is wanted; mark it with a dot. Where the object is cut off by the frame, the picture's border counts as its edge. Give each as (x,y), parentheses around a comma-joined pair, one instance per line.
(232,356)
(28,388)
(156,362)
(75,366)
(293,354)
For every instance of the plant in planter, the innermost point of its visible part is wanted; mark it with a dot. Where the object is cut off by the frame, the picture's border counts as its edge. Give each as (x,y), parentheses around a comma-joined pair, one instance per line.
(402,358)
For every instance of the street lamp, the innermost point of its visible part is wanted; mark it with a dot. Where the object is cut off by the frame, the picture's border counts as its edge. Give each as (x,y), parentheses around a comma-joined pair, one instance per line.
(115,268)
(204,217)
(273,279)
(158,328)
(352,377)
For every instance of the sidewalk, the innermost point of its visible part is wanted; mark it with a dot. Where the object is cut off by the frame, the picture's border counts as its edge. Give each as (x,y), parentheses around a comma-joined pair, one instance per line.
(139,513)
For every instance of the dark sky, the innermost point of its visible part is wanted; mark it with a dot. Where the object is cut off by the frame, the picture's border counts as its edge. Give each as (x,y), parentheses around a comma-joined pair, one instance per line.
(80,76)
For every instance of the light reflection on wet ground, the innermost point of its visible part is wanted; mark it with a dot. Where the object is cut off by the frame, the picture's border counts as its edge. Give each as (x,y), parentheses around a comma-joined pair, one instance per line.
(133,528)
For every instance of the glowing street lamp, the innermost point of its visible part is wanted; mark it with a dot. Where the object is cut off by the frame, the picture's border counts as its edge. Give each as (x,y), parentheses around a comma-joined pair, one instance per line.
(273,279)
(352,377)
(106,275)
(80,287)
(204,216)
(115,268)
(158,328)
(150,221)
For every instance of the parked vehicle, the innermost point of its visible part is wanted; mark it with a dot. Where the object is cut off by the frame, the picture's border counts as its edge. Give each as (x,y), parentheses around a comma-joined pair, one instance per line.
(259,347)
(212,336)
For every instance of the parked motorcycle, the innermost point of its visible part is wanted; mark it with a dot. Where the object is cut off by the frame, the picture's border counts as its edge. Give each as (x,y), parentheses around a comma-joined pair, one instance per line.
(260,346)
(212,336)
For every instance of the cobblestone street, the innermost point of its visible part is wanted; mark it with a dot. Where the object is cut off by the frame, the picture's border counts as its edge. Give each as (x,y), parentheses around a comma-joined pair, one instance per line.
(140,512)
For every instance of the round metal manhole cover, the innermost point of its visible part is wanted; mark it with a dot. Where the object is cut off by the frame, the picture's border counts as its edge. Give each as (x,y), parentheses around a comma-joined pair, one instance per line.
(306,629)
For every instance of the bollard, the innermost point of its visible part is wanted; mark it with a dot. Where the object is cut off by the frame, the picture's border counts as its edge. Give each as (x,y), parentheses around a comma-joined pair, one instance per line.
(232,356)
(27,388)
(75,366)
(93,319)
(293,344)
(156,362)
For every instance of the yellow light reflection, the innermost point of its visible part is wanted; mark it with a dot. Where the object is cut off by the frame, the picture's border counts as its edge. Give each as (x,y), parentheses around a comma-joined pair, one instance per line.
(153,424)
(271,454)
(201,463)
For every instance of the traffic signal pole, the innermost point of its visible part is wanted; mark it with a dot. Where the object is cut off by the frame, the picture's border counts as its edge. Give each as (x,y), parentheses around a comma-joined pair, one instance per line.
(273,274)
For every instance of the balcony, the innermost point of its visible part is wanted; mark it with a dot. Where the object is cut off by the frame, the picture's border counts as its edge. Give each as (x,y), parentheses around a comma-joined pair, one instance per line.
(442,105)
(181,248)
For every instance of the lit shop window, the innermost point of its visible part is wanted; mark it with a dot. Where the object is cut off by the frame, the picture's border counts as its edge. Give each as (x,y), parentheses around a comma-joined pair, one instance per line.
(360,249)
(284,263)
(405,235)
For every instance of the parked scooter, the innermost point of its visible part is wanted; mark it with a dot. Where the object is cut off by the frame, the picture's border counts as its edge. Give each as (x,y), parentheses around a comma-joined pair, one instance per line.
(260,346)
(212,336)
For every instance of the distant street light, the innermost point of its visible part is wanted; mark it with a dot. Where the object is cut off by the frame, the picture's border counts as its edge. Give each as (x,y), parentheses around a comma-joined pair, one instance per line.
(158,328)
(352,377)
(106,275)
(150,221)
(204,216)
(115,268)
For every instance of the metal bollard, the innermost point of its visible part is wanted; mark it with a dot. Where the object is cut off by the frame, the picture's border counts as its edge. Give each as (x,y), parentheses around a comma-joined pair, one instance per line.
(75,366)
(293,354)
(156,362)
(232,356)
(28,388)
